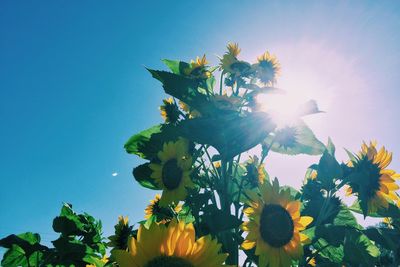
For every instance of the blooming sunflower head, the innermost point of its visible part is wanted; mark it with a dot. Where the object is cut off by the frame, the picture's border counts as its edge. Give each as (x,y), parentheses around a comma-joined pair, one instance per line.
(255,172)
(174,245)
(274,226)
(172,172)
(229,62)
(122,232)
(267,68)
(370,180)
(233,49)
(198,68)
(169,111)
(161,214)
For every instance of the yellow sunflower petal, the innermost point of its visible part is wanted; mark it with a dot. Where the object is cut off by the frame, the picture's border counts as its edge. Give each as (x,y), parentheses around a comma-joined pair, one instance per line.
(293,208)
(247,244)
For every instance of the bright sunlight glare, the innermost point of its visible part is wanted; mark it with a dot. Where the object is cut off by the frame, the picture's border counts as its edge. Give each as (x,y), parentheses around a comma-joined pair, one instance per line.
(283,108)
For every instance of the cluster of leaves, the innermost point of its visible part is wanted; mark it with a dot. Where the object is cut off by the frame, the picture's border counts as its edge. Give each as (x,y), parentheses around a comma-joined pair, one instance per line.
(80,243)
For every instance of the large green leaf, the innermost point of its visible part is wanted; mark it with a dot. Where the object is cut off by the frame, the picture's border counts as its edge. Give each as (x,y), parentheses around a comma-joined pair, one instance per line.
(138,144)
(385,237)
(392,211)
(142,174)
(14,256)
(295,139)
(359,249)
(328,170)
(21,249)
(331,253)
(346,218)
(330,147)
(216,221)
(183,88)
(230,134)
(176,66)
(333,234)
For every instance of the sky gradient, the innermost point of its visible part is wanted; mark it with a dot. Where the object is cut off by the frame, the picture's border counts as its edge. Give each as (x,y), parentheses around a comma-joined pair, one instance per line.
(73,89)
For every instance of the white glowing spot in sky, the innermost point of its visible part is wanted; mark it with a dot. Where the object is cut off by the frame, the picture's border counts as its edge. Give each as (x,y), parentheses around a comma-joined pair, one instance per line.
(283,108)
(114,174)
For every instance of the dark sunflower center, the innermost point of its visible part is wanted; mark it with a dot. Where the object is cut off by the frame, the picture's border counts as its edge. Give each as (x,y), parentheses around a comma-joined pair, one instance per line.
(276,225)
(171,174)
(266,65)
(168,261)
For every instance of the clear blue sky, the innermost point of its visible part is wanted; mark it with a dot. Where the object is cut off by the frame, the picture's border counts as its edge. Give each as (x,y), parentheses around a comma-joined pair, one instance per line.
(73,88)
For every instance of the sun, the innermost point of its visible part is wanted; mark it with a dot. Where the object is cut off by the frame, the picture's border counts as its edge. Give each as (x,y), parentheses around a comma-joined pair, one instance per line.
(283,108)
(286,105)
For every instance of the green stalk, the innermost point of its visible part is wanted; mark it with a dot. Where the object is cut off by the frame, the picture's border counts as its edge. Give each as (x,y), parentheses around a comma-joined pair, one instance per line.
(221,82)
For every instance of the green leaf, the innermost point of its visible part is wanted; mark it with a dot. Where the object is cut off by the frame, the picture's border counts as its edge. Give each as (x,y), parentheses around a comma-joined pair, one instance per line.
(333,254)
(359,249)
(94,261)
(70,251)
(351,155)
(393,211)
(230,134)
(330,147)
(68,225)
(328,170)
(150,221)
(66,210)
(217,221)
(294,140)
(176,66)
(183,88)
(333,234)
(21,249)
(210,82)
(142,174)
(137,143)
(346,218)
(387,238)
(14,256)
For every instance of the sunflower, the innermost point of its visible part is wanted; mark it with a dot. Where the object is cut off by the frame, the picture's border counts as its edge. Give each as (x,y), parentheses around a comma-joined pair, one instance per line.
(122,231)
(162,214)
(172,174)
(169,111)
(255,172)
(274,226)
(198,68)
(233,49)
(369,179)
(170,246)
(267,68)
(230,64)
